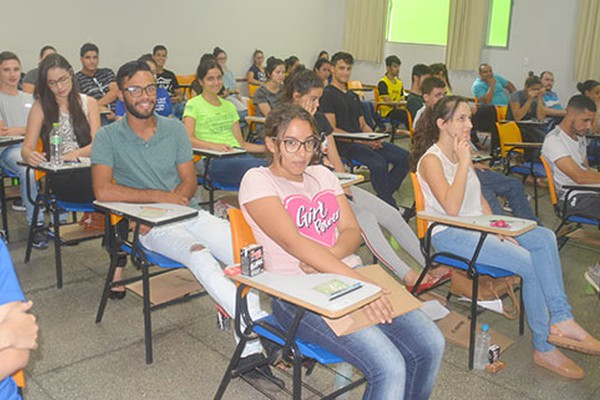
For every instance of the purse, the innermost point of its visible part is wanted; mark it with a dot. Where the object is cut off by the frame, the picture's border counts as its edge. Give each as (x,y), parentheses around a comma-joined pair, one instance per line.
(489,289)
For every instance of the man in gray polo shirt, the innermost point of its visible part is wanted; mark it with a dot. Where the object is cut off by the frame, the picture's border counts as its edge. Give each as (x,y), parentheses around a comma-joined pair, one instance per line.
(146,158)
(14,111)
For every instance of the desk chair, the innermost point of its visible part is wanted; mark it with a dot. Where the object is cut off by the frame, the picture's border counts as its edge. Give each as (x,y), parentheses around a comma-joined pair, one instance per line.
(294,350)
(211,185)
(117,244)
(4,173)
(185,83)
(19,378)
(471,266)
(509,132)
(566,216)
(72,233)
(394,123)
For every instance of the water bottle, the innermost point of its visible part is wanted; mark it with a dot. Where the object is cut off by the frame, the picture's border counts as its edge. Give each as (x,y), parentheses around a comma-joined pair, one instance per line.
(482,345)
(55,146)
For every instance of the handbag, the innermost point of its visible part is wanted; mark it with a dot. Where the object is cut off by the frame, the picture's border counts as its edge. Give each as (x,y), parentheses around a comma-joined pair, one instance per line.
(489,289)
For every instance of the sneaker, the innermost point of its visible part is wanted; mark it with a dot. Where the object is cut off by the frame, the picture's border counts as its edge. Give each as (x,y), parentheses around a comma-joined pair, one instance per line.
(409,213)
(40,238)
(18,205)
(593,276)
(261,377)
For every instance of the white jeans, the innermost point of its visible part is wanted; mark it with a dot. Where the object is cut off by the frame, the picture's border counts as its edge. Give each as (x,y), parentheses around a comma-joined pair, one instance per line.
(213,234)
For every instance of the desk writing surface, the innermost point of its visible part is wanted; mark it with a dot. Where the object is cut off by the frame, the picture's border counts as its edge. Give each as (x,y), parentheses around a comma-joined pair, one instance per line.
(10,140)
(524,145)
(360,135)
(391,103)
(153,214)
(347,179)
(583,186)
(258,120)
(477,158)
(82,163)
(216,153)
(300,290)
(518,226)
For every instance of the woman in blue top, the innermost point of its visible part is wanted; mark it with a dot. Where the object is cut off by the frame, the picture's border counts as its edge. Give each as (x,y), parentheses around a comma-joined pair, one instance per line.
(230,91)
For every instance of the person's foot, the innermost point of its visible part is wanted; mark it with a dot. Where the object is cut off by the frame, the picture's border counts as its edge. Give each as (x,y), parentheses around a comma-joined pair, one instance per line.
(260,376)
(40,238)
(409,213)
(593,276)
(569,334)
(18,205)
(558,363)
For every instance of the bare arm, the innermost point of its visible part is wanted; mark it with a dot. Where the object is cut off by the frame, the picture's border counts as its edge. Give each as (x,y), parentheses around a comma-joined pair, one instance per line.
(250,147)
(18,335)
(110,96)
(518,110)
(511,87)
(251,79)
(93,118)
(540,110)
(12,131)
(32,136)
(581,176)
(489,96)
(264,108)
(333,155)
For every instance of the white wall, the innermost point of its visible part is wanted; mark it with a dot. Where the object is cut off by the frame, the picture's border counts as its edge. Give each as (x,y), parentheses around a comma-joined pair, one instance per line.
(125,29)
(543,34)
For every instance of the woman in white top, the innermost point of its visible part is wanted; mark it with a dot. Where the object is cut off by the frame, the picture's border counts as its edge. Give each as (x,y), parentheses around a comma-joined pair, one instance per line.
(450,186)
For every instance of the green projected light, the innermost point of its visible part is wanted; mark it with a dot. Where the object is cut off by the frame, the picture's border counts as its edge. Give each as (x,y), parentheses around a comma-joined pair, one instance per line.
(421,22)
(499,23)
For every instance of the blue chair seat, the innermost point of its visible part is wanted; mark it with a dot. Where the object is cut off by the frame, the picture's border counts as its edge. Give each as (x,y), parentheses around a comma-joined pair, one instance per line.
(154,258)
(483,269)
(310,350)
(75,207)
(525,169)
(219,186)
(8,173)
(583,220)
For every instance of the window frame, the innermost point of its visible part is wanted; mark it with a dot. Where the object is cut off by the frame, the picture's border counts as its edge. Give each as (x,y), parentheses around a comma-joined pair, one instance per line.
(489,22)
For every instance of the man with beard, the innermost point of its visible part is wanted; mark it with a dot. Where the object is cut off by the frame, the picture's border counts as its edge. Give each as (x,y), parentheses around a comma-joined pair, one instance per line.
(147,158)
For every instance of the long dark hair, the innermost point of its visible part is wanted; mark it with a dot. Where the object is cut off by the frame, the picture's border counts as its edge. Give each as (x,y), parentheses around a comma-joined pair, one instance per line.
(427,132)
(45,96)
(300,82)
(279,120)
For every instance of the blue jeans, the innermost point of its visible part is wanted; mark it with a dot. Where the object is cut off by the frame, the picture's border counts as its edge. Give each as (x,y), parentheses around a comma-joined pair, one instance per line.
(228,171)
(8,160)
(400,360)
(384,182)
(368,110)
(536,260)
(494,184)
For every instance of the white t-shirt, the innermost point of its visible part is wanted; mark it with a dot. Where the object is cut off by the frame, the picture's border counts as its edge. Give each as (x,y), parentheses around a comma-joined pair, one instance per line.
(418,115)
(558,145)
(312,205)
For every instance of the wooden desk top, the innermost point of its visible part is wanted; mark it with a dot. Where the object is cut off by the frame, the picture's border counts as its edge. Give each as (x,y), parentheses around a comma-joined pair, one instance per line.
(217,154)
(300,290)
(152,214)
(517,226)
(258,120)
(347,180)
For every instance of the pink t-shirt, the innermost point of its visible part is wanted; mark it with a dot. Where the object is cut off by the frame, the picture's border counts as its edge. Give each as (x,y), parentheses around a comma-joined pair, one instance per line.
(312,205)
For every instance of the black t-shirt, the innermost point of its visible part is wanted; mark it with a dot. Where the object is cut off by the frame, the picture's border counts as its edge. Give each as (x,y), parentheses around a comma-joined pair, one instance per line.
(414,102)
(167,80)
(324,128)
(344,105)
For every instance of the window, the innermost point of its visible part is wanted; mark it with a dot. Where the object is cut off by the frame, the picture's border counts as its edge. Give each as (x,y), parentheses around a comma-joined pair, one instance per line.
(426,22)
(498,23)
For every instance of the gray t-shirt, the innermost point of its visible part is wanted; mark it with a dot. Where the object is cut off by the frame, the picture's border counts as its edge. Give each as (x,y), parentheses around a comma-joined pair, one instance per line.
(558,145)
(263,95)
(31,76)
(140,164)
(14,110)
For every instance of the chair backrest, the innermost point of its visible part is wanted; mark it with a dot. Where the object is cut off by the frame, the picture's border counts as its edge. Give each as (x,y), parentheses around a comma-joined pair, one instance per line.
(251,108)
(501,113)
(419,205)
(508,132)
(241,233)
(19,378)
(251,89)
(550,178)
(185,82)
(356,84)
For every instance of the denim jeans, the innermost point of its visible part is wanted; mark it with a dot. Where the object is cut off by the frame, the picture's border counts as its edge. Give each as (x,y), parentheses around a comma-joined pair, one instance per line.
(400,360)
(228,171)
(384,181)
(176,242)
(536,260)
(8,160)
(494,184)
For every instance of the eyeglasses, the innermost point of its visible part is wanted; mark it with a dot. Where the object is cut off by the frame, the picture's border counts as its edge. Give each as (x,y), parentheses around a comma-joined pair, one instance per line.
(293,145)
(136,91)
(60,81)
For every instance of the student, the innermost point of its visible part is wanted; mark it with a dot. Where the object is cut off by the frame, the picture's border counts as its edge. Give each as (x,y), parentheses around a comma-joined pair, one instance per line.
(256,74)
(14,111)
(343,111)
(98,83)
(414,100)
(266,97)
(391,89)
(213,123)
(591,89)
(439,70)
(230,90)
(551,102)
(58,101)
(565,149)
(491,89)
(291,63)
(18,328)
(167,79)
(399,357)
(323,69)
(323,54)
(493,184)
(148,158)
(442,159)
(30,78)
(163,100)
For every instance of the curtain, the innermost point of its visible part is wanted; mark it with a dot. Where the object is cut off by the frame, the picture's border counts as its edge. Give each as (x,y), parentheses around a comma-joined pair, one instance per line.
(364,29)
(587,51)
(466,33)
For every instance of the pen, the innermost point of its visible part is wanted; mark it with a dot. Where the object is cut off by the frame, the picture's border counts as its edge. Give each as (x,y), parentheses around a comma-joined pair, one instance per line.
(345,291)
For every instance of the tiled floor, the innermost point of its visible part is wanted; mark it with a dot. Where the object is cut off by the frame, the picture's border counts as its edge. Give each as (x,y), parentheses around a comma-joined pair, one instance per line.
(79,359)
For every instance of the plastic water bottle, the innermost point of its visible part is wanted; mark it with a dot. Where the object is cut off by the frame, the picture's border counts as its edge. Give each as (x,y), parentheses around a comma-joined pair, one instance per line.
(56,159)
(482,345)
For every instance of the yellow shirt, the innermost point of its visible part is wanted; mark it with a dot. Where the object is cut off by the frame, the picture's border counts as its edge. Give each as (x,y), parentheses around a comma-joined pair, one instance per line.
(395,92)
